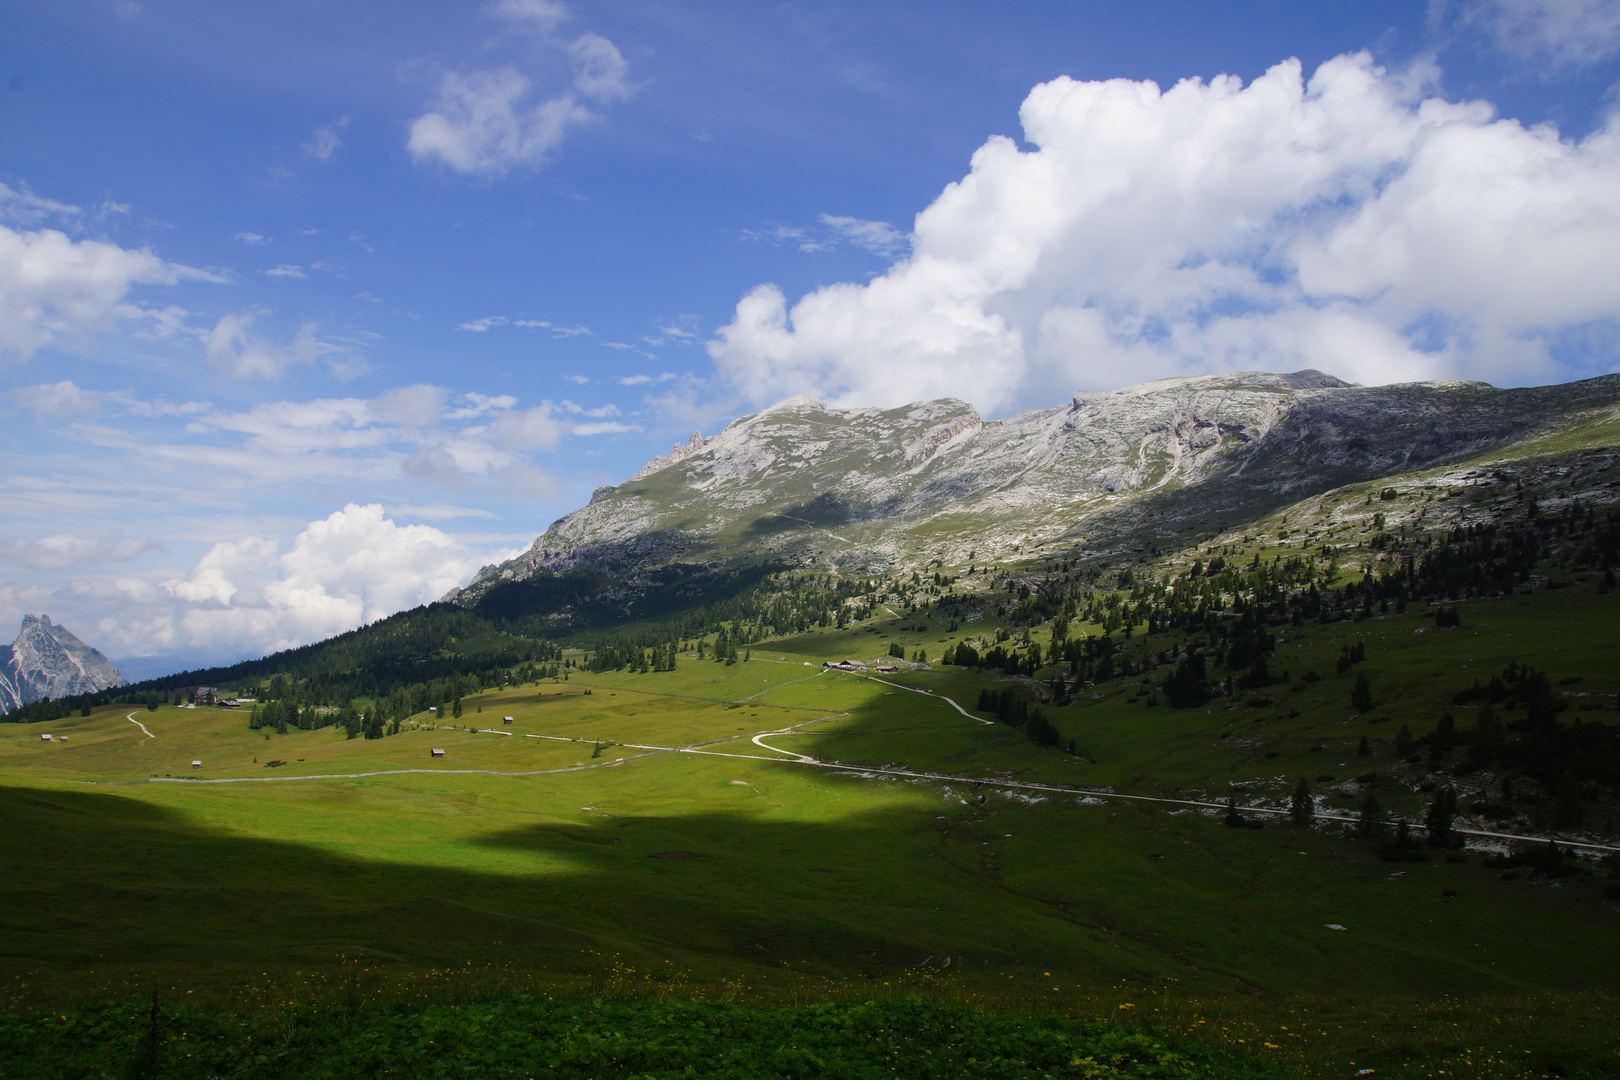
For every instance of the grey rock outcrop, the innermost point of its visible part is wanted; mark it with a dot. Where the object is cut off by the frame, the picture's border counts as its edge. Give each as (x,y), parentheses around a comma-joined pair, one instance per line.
(1108,474)
(48,661)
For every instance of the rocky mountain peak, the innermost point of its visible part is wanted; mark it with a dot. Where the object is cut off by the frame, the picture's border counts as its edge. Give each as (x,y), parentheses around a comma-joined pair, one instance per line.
(48,661)
(1111,472)
(676,453)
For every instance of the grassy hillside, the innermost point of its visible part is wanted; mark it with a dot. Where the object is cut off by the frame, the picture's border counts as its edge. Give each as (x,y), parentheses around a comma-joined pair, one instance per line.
(769,831)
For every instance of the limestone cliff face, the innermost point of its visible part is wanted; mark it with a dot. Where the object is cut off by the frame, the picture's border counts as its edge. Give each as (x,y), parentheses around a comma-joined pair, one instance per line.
(1113,472)
(47,661)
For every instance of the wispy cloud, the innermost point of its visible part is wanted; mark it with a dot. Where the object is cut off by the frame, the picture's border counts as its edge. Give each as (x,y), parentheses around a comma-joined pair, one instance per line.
(21,206)
(234,350)
(604,429)
(488,322)
(878,237)
(556,331)
(570,407)
(1574,33)
(786,234)
(490,121)
(625,346)
(325,141)
(60,551)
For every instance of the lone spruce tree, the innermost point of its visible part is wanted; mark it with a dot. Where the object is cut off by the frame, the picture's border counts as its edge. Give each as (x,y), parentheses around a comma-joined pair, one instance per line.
(1302,808)
(1233,818)
(1370,824)
(1438,820)
(1361,696)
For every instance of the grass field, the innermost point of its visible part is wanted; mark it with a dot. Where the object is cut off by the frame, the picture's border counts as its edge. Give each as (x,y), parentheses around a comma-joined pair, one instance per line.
(641,828)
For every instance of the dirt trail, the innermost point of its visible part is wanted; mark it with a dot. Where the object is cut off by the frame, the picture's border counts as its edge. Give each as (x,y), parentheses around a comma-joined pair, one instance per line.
(792,757)
(930,693)
(137,723)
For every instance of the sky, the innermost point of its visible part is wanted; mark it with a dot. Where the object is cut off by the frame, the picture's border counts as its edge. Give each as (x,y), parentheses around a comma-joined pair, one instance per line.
(308,310)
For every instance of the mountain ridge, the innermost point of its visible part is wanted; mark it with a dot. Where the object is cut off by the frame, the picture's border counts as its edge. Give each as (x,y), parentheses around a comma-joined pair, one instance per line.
(1108,474)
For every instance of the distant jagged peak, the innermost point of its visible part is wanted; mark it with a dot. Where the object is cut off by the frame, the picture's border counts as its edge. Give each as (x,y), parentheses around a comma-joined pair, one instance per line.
(676,453)
(47,660)
(35,626)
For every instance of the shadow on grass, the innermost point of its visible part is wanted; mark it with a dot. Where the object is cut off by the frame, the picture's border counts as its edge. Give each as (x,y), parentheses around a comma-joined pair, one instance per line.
(1027,898)
(98,879)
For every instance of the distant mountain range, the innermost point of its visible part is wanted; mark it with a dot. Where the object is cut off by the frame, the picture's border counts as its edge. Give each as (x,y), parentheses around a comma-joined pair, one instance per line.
(1109,475)
(47,661)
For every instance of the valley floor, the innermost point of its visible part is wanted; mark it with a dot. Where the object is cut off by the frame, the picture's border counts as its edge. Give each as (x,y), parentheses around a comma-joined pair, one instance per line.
(690,828)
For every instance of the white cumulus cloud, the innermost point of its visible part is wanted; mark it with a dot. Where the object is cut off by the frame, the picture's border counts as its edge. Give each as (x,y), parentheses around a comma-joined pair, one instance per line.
(1349,223)
(56,289)
(350,568)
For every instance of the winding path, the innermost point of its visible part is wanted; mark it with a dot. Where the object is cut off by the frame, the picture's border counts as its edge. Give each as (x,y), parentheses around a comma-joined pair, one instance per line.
(793,757)
(930,693)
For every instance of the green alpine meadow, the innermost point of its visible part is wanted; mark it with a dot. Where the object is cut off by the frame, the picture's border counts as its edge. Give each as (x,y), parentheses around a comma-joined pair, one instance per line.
(1327,790)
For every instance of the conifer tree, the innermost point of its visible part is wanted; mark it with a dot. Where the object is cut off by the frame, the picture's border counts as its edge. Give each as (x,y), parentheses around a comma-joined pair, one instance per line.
(1361,696)
(1403,741)
(1438,820)
(1233,819)
(1370,823)
(1302,808)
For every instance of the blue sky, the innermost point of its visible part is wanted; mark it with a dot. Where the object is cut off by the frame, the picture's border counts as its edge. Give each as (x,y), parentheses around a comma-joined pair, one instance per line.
(307,309)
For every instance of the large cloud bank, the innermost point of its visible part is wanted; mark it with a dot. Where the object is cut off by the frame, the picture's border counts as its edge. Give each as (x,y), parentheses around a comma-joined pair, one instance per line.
(1348,223)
